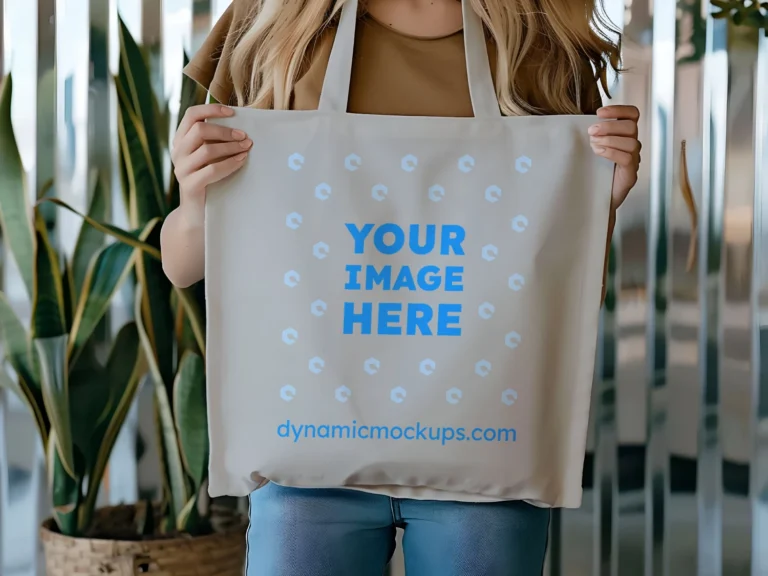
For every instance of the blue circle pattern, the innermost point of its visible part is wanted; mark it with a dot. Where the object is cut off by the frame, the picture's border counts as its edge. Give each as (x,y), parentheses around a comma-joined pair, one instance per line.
(379,192)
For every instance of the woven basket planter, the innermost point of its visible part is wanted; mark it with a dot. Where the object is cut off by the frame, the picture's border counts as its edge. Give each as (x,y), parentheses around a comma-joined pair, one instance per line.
(218,554)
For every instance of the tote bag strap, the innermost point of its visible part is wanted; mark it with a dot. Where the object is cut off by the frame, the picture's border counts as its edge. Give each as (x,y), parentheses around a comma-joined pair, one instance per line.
(335,94)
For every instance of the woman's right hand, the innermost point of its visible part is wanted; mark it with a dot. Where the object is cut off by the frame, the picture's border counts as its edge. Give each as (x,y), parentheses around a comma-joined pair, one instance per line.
(205,153)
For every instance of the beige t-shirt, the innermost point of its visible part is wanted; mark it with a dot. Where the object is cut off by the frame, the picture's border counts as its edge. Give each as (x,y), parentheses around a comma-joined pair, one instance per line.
(392,74)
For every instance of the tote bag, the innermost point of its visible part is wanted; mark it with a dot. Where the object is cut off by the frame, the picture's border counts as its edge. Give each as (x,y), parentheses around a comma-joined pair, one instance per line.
(405,301)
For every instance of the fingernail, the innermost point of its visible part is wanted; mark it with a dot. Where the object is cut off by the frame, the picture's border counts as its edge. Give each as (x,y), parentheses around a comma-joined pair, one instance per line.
(598,149)
(227,111)
(238,134)
(246,144)
(241,157)
(594,130)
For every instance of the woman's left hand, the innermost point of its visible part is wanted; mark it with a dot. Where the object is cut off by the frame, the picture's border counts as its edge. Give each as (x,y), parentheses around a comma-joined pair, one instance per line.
(615,138)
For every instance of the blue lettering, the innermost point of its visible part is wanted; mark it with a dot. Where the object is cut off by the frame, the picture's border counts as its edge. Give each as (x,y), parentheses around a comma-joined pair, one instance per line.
(379,431)
(359,235)
(343,431)
(383,278)
(361,430)
(421,433)
(286,427)
(397,242)
(429,242)
(453,279)
(404,279)
(448,314)
(451,237)
(351,318)
(433,282)
(407,430)
(389,313)
(352,282)
(419,316)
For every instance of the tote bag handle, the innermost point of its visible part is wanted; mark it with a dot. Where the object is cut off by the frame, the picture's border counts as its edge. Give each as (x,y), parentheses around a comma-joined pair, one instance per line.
(335,94)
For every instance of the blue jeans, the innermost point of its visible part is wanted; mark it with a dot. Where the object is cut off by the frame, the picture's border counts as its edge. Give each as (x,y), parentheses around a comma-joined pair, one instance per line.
(340,532)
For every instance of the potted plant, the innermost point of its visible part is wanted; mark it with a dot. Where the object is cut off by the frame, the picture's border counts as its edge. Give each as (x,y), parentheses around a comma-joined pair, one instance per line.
(79,399)
(206,539)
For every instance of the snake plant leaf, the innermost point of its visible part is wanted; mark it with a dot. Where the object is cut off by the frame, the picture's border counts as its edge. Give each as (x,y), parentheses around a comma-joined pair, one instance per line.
(125,185)
(168,521)
(145,186)
(157,311)
(169,442)
(138,143)
(185,340)
(54,376)
(122,376)
(15,211)
(163,119)
(108,270)
(193,315)
(131,238)
(65,488)
(188,305)
(137,134)
(90,240)
(134,85)
(19,355)
(16,343)
(68,285)
(90,401)
(46,189)
(188,520)
(189,407)
(48,317)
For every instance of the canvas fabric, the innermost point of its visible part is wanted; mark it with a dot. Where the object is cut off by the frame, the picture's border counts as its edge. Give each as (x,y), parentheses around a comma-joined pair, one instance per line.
(405,301)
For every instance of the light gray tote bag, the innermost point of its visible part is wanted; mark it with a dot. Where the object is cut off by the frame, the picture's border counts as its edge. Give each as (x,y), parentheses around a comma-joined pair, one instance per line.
(405,301)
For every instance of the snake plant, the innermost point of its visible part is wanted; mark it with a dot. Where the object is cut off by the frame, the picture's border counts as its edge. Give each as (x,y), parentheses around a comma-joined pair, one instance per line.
(170,322)
(78,394)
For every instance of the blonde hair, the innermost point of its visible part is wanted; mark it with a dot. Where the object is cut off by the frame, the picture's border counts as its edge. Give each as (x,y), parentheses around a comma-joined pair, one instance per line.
(570,41)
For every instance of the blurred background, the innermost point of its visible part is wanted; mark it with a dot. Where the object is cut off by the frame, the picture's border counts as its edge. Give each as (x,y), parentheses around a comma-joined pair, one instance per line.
(676,476)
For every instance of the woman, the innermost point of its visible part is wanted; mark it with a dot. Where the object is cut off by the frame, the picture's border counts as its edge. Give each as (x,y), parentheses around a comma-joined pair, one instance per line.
(409,60)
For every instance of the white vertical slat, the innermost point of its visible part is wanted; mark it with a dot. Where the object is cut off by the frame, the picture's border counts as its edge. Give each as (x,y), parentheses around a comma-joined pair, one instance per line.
(759,299)
(662,160)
